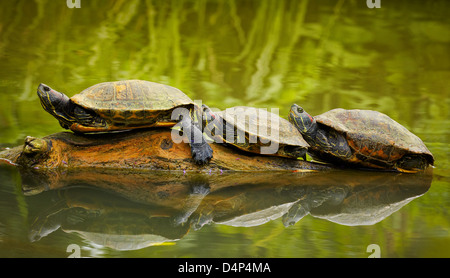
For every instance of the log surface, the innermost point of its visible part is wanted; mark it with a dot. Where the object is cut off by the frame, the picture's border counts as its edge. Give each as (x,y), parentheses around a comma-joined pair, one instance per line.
(144,149)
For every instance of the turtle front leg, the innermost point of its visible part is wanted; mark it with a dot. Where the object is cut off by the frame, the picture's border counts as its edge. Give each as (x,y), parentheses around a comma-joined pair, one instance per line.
(200,150)
(335,143)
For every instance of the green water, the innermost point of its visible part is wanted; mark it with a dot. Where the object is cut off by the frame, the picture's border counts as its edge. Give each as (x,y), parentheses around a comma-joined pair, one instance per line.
(269,54)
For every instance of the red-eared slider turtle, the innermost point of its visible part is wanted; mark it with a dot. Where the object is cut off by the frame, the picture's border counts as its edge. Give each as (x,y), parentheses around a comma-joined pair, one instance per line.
(255,130)
(125,105)
(362,137)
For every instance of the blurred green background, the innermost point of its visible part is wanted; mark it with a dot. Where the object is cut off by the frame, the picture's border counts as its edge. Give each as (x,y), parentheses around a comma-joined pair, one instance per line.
(269,53)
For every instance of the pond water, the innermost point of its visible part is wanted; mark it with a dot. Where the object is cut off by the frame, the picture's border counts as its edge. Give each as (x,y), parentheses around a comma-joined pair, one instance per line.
(269,54)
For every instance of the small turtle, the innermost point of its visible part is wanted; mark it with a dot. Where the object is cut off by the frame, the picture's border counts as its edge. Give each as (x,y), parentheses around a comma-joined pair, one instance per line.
(125,105)
(361,137)
(255,130)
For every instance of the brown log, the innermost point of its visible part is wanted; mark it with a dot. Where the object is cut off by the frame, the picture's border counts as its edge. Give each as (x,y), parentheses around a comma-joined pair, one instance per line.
(145,149)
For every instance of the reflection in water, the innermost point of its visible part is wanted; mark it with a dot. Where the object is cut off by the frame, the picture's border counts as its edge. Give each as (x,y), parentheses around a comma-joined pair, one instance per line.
(125,215)
(107,219)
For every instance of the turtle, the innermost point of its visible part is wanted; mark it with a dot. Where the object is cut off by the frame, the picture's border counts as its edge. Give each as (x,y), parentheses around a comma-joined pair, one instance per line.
(126,105)
(363,138)
(255,130)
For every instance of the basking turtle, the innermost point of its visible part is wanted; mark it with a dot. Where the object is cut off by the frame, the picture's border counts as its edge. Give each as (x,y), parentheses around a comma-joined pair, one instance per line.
(362,137)
(125,105)
(255,130)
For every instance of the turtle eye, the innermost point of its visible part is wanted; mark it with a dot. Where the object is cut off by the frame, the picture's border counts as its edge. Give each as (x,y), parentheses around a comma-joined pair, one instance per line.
(300,110)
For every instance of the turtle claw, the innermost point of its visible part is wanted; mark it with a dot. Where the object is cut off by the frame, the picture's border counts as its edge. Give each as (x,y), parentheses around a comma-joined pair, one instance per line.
(201,153)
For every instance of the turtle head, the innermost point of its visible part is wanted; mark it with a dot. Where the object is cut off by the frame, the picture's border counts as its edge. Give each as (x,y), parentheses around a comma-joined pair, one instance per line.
(304,122)
(57,104)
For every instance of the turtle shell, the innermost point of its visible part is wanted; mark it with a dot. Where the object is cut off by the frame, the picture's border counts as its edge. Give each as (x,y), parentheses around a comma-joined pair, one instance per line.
(374,136)
(260,128)
(131,102)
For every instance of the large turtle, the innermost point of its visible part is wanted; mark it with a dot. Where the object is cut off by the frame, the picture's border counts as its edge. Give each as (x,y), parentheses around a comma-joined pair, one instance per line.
(255,130)
(125,105)
(362,137)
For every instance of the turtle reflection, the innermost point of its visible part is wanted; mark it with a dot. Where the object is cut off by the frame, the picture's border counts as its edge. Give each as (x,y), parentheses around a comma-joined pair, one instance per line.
(123,215)
(108,220)
(344,197)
